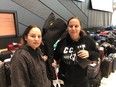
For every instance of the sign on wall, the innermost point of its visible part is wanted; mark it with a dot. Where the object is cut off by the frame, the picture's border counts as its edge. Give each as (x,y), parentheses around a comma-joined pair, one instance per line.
(8,24)
(103,5)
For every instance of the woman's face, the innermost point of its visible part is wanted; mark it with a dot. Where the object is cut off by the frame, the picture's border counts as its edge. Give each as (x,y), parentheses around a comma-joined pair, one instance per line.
(74,28)
(34,38)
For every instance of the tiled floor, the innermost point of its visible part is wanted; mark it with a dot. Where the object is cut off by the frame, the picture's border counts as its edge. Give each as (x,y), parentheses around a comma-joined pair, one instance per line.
(110,81)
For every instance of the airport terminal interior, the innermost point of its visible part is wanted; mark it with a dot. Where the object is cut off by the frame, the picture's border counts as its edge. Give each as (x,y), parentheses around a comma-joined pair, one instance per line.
(98,19)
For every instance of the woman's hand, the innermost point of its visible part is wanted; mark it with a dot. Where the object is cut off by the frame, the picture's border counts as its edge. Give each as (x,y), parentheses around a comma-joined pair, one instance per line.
(45,57)
(83,54)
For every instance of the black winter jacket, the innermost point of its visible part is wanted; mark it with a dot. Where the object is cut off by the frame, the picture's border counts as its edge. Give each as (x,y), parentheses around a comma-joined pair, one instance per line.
(66,49)
(28,68)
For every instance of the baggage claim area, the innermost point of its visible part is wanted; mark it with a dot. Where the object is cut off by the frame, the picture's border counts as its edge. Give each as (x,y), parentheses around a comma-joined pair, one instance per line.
(96,18)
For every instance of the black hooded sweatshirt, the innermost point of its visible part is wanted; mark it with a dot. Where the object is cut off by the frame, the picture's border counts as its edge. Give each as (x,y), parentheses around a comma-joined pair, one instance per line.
(66,49)
(28,68)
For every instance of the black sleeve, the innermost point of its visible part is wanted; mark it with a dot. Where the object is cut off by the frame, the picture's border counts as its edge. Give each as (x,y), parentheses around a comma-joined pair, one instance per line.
(93,53)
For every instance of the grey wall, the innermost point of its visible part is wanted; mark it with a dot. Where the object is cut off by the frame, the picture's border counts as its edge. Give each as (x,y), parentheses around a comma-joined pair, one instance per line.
(37,11)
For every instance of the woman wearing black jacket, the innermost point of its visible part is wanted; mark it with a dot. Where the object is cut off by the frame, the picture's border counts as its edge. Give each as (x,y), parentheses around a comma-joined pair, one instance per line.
(72,49)
(28,67)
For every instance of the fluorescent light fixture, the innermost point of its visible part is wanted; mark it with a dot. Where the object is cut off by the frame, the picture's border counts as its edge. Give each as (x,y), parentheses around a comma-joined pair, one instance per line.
(81,0)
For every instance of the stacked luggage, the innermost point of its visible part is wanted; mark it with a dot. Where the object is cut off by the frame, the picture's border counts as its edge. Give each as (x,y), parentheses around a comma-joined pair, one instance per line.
(106,67)
(106,43)
(5,58)
(113,57)
(2,75)
(107,64)
(94,73)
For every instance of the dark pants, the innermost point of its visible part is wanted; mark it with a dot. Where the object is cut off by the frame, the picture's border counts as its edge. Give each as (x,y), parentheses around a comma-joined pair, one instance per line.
(73,85)
(83,84)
